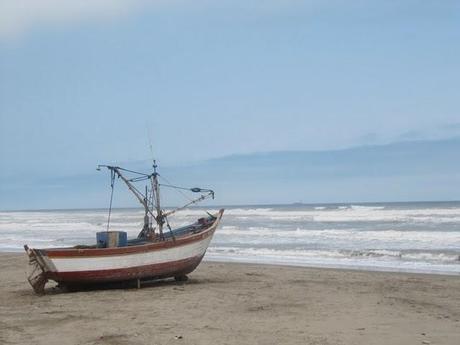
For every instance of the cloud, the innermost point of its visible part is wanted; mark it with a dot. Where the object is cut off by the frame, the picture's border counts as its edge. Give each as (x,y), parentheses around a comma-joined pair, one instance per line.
(451,127)
(20,17)
(369,138)
(412,135)
(443,131)
(17,17)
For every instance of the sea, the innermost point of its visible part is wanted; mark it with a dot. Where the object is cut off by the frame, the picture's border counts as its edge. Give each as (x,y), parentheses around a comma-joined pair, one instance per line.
(419,237)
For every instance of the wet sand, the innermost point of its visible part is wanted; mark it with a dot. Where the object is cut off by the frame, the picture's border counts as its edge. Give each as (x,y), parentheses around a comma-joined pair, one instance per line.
(237,304)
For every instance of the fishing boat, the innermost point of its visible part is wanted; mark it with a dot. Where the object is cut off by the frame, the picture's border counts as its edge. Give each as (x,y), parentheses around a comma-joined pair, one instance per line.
(158,251)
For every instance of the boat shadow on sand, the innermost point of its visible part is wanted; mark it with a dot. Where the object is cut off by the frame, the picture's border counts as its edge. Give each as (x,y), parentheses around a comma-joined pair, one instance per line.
(124,285)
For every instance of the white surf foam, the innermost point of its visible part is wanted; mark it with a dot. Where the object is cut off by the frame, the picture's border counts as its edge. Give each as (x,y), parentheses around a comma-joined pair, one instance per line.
(386,262)
(354,237)
(360,235)
(343,214)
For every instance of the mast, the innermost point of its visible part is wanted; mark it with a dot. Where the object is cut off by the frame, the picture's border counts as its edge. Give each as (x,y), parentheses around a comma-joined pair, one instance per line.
(146,226)
(156,188)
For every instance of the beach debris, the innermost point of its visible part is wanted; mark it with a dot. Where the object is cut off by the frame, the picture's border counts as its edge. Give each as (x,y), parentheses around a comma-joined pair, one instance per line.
(258,308)
(426,342)
(178,337)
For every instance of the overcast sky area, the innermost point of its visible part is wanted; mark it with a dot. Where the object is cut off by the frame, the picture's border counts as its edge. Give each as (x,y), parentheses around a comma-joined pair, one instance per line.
(88,82)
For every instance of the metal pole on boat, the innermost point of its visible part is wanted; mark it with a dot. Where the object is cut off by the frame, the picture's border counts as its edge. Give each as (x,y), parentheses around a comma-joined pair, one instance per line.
(156,185)
(112,184)
(145,229)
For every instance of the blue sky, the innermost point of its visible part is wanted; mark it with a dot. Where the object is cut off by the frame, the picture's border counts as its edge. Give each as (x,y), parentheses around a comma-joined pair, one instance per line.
(89,82)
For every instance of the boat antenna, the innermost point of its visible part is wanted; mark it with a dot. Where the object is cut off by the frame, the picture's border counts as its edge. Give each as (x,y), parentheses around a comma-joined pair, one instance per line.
(156,189)
(151,147)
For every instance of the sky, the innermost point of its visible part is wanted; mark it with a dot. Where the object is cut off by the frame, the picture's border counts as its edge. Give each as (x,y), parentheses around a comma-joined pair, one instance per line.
(90,82)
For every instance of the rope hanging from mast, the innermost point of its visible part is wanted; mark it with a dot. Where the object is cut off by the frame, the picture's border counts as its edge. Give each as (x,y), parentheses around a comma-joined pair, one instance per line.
(194,190)
(112,184)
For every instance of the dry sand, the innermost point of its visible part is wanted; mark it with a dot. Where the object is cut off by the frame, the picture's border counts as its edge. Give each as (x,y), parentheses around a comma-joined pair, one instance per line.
(237,304)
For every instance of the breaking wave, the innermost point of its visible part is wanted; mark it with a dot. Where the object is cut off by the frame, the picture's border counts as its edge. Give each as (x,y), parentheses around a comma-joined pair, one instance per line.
(353,213)
(384,236)
(427,262)
(448,257)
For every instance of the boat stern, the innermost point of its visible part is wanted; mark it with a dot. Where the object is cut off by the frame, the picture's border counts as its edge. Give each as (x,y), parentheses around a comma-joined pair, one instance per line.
(37,271)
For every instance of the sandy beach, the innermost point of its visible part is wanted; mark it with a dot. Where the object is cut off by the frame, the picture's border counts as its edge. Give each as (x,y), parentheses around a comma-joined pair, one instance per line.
(225,303)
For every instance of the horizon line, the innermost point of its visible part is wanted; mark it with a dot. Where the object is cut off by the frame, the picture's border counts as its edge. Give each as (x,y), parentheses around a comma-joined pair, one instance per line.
(244,205)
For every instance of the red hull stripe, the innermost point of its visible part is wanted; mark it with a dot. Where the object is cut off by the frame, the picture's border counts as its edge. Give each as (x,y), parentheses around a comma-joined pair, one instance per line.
(163,270)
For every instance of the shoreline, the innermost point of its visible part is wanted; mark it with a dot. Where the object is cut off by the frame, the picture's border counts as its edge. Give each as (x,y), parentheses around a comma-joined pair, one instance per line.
(234,303)
(341,267)
(313,266)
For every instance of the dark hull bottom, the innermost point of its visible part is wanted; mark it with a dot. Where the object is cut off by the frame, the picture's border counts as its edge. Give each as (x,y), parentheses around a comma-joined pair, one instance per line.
(155,271)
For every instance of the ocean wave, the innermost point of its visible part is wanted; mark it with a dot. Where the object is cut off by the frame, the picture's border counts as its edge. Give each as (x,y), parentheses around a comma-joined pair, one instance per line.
(352,213)
(41,227)
(451,237)
(371,236)
(428,262)
(366,208)
(441,257)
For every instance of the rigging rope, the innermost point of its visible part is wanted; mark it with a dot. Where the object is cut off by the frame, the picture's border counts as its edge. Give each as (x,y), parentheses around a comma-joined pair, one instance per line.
(149,198)
(178,189)
(170,230)
(134,172)
(112,183)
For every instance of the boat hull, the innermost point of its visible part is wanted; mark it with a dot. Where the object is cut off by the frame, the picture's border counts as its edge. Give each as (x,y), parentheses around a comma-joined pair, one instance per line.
(173,258)
(152,271)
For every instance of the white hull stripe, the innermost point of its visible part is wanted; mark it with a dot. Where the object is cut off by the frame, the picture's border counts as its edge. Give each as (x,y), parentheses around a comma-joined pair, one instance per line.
(77,264)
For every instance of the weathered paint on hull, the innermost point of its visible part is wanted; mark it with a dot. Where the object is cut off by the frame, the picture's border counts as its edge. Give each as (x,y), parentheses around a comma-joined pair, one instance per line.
(154,271)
